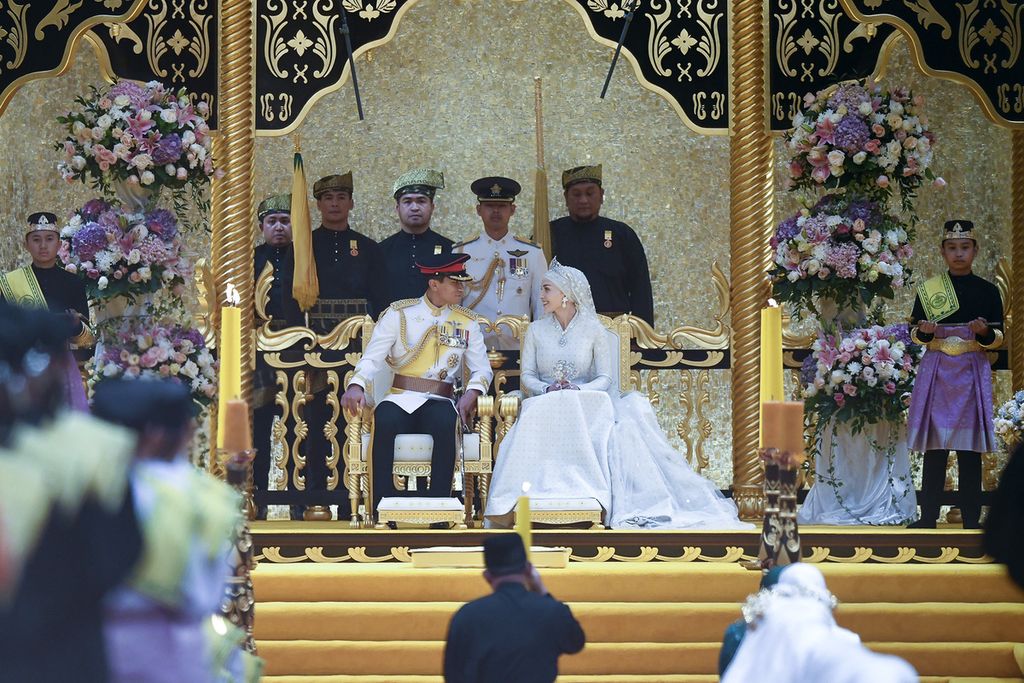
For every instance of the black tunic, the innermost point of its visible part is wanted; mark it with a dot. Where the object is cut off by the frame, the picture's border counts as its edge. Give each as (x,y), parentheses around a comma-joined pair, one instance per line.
(618,273)
(512,635)
(280,305)
(343,275)
(401,252)
(978,298)
(62,290)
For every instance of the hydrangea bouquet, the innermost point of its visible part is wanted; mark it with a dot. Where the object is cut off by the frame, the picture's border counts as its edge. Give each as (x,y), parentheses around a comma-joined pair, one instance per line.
(863,138)
(861,377)
(1009,422)
(847,250)
(144,349)
(143,135)
(119,253)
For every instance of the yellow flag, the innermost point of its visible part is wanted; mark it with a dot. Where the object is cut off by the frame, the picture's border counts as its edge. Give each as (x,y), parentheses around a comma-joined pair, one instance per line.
(541,226)
(305,285)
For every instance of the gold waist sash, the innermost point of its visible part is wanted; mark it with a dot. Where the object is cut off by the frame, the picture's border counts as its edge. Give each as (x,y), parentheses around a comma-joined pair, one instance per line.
(953,346)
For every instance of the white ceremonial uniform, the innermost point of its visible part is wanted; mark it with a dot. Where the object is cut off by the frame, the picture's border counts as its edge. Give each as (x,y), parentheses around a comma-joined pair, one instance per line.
(417,339)
(507,276)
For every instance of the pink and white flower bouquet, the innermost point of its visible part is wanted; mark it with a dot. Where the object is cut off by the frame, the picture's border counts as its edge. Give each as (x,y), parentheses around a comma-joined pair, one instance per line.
(140,348)
(120,253)
(861,377)
(143,135)
(843,249)
(861,137)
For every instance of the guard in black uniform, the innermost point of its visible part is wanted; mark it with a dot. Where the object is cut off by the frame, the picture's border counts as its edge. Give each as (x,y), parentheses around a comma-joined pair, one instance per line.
(517,633)
(414,202)
(608,252)
(275,221)
(349,265)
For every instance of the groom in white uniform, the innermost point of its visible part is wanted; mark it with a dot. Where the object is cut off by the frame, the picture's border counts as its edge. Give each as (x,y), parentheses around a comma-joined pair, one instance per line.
(425,342)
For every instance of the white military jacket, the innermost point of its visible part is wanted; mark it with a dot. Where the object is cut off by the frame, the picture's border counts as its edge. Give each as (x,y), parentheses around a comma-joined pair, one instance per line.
(415,338)
(507,275)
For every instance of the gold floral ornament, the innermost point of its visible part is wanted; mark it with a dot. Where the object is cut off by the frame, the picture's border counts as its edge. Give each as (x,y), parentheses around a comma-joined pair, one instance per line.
(372,10)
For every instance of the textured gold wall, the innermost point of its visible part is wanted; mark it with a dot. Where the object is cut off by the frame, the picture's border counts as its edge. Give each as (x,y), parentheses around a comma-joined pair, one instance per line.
(454,90)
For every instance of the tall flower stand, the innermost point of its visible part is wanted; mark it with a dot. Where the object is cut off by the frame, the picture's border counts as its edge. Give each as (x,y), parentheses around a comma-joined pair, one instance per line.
(240,600)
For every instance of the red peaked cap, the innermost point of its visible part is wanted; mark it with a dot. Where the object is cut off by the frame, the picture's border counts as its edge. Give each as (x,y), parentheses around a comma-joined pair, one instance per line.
(452,265)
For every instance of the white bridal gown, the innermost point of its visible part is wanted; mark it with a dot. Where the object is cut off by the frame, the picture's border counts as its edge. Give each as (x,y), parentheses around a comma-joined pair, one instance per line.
(592,443)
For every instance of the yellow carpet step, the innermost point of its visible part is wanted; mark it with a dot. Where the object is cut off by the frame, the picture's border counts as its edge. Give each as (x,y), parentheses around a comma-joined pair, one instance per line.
(395,658)
(659,623)
(628,582)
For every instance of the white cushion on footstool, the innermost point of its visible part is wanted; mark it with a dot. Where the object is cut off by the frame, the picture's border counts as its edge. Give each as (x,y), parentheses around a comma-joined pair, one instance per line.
(541,504)
(432,504)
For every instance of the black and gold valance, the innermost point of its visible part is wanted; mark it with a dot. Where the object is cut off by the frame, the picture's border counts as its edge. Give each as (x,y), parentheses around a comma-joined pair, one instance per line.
(974,42)
(813,45)
(37,37)
(171,41)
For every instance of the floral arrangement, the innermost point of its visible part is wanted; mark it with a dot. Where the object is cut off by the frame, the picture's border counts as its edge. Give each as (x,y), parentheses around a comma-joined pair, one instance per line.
(143,349)
(861,377)
(845,249)
(863,138)
(118,252)
(143,135)
(1009,422)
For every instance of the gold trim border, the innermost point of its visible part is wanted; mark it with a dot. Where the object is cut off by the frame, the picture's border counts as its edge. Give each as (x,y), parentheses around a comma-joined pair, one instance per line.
(729,554)
(363,49)
(70,47)
(917,54)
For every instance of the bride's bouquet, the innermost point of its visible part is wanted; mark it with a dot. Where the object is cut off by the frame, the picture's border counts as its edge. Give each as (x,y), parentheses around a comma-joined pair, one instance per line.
(121,253)
(145,349)
(143,135)
(861,377)
(846,250)
(861,137)
(1009,422)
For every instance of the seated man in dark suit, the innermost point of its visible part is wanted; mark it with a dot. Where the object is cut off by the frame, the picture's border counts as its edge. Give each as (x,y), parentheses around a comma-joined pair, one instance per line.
(515,634)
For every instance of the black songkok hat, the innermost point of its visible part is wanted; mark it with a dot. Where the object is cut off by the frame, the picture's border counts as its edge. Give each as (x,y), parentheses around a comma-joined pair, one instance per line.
(448,265)
(141,403)
(959,229)
(42,221)
(496,189)
(24,329)
(504,554)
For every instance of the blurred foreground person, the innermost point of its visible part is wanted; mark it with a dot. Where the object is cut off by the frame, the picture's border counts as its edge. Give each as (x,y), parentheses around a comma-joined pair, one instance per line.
(518,632)
(1005,521)
(792,637)
(735,631)
(68,531)
(156,623)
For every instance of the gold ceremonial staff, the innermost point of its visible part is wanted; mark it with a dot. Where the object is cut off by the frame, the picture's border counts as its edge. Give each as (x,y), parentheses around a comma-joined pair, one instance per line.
(541,225)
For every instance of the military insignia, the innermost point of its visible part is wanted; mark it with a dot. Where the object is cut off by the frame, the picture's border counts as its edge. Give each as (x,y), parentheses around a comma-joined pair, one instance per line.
(437,249)
(495,190)
(353,247)
(517,265)
(453,360)
(607,239)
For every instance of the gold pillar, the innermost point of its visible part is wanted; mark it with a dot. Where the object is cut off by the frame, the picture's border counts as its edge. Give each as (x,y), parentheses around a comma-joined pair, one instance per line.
(232,202)
(750,223)
(1016,289)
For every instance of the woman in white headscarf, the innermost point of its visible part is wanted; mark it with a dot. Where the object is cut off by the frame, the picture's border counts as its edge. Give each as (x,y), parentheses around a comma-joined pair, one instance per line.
(792,637)
(574,439)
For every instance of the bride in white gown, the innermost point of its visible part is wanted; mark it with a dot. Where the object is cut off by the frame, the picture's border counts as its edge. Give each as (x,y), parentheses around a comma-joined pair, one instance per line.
(574,439)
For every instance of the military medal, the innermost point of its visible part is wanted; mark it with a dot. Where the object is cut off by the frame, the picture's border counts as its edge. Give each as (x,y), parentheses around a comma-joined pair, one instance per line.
(353,247)
(453,360)
(607,239)
(437,249)
(517,264)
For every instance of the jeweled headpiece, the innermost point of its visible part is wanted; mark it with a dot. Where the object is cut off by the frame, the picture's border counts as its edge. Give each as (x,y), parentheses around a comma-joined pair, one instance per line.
(42,221)
(959,229)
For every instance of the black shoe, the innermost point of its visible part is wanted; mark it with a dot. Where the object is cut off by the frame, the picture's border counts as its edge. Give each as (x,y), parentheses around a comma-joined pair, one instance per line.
(440,525)
(921,524)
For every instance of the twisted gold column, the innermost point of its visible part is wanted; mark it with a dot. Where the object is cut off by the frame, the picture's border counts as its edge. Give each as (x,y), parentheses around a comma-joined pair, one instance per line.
(1016,323)
(750,219)
(233,193)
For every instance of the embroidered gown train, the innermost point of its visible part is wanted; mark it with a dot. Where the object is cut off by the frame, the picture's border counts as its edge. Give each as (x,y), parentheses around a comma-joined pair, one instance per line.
(594,443)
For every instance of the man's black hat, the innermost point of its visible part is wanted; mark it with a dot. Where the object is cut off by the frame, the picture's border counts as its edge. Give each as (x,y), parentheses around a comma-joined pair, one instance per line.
(504,554)
(496,189)
(959,229)
(142,403)
(448,265)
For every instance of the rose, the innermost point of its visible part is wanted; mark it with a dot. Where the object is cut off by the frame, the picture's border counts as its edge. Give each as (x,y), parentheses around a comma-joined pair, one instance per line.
(840,399)
(882,181)
(169,116)
(939,182)
(102,282)
(889,388)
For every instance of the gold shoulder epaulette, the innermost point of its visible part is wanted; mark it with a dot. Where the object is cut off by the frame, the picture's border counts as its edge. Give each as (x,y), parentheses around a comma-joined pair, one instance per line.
(467,312)
(464,243)
(404,303)
(517,238)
